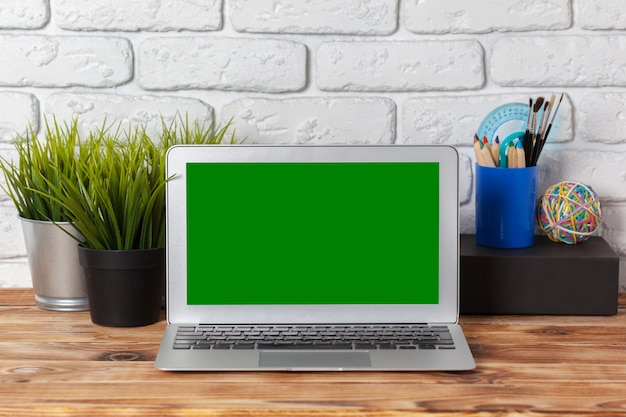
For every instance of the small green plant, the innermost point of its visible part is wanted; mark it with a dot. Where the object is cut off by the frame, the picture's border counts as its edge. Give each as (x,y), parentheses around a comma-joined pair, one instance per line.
(181,132)
(39,164)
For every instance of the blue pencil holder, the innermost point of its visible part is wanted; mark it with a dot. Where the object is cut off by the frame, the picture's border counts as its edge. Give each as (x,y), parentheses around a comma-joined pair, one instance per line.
(505,206)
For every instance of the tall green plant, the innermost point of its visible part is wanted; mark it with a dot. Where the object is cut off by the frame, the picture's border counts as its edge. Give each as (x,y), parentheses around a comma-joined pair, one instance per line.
(116,200)
(40,163)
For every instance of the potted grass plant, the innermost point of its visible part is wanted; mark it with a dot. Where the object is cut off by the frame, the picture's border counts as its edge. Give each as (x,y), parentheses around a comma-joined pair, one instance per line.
(57,279)
(117,204)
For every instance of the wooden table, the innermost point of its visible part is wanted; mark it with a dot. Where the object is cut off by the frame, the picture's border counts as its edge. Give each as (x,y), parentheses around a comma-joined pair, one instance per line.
(60,363)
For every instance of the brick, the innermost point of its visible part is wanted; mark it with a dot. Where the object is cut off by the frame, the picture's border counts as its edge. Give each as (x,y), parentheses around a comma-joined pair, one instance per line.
(466,178)
(600,15)
(572,61)
(603,118)
(138,15)
(454,120)
(64,61)
(15,274)
(24,14)
(605,172)
(222,64)
(20,112)
(12,242)
(8,154)
(482,16)
(360,17)
(613,227)
(613,230)
(313,120)
(91,110)
(400,66)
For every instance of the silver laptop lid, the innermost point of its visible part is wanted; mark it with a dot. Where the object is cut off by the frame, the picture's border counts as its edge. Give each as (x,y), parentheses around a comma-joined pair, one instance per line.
(312,234)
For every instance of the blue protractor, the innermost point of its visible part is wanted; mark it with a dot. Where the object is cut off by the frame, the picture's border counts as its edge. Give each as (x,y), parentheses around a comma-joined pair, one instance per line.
(504,121)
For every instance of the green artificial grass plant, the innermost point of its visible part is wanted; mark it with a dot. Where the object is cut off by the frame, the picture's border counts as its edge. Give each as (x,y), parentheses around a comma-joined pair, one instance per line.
(40,163)
(116,200)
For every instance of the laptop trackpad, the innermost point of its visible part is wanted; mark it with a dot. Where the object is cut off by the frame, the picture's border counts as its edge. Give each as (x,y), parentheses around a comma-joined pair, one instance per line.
(308,359)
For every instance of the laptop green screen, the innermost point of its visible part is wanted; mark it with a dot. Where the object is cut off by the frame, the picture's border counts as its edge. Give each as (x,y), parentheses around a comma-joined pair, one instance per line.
(312,233)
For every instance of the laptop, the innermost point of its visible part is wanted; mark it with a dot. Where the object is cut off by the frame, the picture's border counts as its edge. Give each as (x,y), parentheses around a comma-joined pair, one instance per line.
(312,258)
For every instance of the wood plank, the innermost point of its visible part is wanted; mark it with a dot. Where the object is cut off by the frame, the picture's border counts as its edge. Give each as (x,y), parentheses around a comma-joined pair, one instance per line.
(17,297)
(569,398)
(492,373)
(57,364)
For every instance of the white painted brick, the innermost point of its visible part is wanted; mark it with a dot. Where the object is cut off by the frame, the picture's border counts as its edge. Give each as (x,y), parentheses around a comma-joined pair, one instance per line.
(482,16)
(603,118)
(574,61)
(605,172)
(613,227)
(18,112)
(313,120)
(24,14)
(468,219)
(15,274)
(222,64)
(400,66)
(138,15)
(64,61)
(358,17)
(12,242)
(600,14)
(8,154)
(92,109)
(613,230)
(466,178)
(454,120)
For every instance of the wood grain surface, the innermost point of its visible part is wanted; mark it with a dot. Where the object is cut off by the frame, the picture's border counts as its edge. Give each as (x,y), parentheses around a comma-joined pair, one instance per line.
(56,364)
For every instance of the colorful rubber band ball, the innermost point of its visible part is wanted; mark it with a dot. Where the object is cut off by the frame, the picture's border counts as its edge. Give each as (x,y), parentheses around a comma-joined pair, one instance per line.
(569,212)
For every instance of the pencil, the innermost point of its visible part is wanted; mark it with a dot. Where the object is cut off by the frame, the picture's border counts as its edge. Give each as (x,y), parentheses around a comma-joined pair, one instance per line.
(520,155)
(478,151)
(511,156)
(486,151)
(495,151)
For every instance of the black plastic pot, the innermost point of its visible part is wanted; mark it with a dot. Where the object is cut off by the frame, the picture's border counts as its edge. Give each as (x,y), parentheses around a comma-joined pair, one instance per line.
(124,287)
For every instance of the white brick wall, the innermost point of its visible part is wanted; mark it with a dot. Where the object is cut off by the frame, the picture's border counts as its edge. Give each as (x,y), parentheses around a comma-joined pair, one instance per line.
(64,61)
(482,16)
(127,15)
(20,111)
(399,66)
(90,109)
(25,14)
(364,17)
(265,65)
(363,71)
(569,61)
(314,120)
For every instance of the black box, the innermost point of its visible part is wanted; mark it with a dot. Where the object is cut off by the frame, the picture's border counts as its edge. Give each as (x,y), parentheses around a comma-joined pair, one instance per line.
(547,278)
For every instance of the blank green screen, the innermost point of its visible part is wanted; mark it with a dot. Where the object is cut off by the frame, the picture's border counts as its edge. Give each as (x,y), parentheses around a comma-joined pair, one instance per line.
(312,233)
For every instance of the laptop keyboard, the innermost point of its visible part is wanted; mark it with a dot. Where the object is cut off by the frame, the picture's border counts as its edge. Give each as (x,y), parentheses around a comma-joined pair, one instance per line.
(343,337)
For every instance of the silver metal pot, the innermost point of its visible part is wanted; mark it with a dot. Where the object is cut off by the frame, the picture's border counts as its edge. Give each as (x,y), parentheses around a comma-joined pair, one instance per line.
(58,279)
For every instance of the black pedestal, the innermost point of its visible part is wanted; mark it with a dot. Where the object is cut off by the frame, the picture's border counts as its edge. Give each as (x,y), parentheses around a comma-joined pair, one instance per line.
(547,278)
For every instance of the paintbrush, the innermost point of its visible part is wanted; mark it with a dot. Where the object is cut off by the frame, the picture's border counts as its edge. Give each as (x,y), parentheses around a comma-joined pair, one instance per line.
(545,137)
(545,117)
(527,143)
(547,110)
(533,131)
